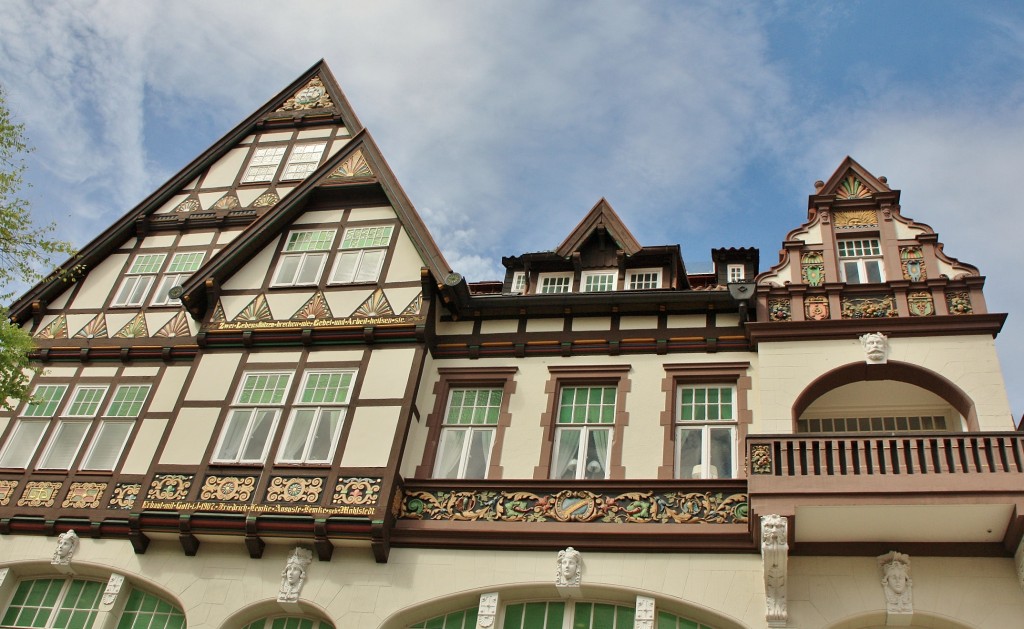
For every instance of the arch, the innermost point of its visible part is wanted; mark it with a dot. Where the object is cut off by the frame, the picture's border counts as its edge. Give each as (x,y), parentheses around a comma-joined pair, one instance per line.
(893,370)
(921,620)
(525,592)
(269,608)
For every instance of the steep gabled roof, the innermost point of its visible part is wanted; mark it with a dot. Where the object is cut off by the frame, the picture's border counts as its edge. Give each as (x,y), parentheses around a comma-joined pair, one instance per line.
(359,163)
(283,109)
(601,216)
(851,181)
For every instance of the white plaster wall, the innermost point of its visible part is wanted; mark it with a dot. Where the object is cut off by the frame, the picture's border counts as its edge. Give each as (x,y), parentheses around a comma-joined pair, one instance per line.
(103,278)
(322,216)
(371,434)
(223,173)
(189,436)
(252,274)
(499,326)
(160,240)
(387,374)
(970,362)
(383,213)
(213,377)
(140,458)
(591,324)
(405,261)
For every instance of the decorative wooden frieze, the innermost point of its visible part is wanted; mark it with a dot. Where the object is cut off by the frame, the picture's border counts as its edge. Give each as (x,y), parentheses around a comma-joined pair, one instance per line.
(874,307)
(295,489)
(226,202)
(7,488)
(356,491)
(958,302)
(95,329)
(134,329)
(376,305)
(56,329)
(188,205)
(124,496)
(640,507)
(353,167)
(415,306)
(775,555)
(812,268)
(228,488)
(316,307)
(849,219)
(921,304)
(84,496)
(816,308)
(912,264)
(779,309)
(39,494)
(176,327)
(312,96)
(170,487)
(761,459)
(257,310)
(267,199)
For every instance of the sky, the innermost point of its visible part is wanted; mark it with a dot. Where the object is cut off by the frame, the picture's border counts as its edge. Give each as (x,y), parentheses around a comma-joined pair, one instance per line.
(703,124)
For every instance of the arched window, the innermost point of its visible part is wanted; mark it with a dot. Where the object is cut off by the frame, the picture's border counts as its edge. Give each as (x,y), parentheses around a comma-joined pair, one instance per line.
(553,615)
(54,604)
(462,619)
(288,622)
(146,611)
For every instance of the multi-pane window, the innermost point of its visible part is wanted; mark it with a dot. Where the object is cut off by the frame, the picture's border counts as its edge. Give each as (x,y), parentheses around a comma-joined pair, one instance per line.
(861,261)
(45,400)
(705,431)
(470,421)
(245,437)
(555,282)
(598,281)
(362,254)
(583,433)
(111,435)
(535,615)
(181,267)
(54,603)
(519,282)
(292,622)
(303,258)
(735,273)
(303,160)
(145,611)
(315,424)
(643,279)
(27,433)
(139,279)
(263,164)
(85,402)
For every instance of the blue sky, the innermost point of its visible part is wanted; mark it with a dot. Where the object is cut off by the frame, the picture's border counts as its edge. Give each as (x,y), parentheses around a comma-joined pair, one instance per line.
(703,124)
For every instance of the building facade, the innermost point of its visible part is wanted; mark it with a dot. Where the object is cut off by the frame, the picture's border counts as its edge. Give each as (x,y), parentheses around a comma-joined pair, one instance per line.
(268,401)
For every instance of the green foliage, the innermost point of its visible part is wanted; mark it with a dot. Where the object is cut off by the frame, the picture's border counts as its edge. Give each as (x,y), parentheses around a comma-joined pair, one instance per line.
(25,248)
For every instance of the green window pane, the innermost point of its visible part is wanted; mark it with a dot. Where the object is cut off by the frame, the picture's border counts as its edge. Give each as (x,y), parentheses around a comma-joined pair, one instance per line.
(318,240)
(556,611)
(535,615)
(473,406)
(514,616)
(147,263)
(624,617)
(45,400)
(581,618)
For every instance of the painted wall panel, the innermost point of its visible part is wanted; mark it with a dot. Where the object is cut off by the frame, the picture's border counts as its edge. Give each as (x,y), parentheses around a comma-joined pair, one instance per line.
(191,432)
(387,373)
(224,172)
(140,458)
(213,377)
(405,262)
(95,287)
(371,434)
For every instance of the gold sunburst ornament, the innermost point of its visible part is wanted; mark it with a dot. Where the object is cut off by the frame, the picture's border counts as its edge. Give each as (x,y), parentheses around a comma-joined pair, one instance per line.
(852,188)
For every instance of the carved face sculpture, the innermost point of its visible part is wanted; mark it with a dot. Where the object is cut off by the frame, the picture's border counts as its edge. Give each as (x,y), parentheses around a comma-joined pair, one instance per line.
(897,577)
(570,566)
(293,573)
(875,347)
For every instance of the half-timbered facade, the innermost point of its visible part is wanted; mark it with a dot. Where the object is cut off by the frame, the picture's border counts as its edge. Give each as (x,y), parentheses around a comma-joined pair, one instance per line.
(267,401)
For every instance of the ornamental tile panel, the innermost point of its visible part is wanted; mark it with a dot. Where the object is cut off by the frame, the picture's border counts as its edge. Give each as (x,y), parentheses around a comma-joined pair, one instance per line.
(357,491)
(295,489)
(124,496)
(376,305)
(639,507)
(84,496)
(228,488)
(876,307)
(959,302)
(96,328)
(39,494)
(170,486)
(7,488)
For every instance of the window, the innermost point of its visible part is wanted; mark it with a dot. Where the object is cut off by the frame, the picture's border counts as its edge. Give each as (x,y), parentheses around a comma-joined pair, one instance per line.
(67,437)
(362,254)
(519,282)
(468,432)
(585,421)
(54,603)
(303,258)
(145,611)
(111,435)
(555,282)
(45,400)
(313,429)
(22,443)
(303,160)
(735,273)
(643,279)
(139,279)
(861,261)
(598,281)
(86,401)
(462,619)
(288,622)
(245,437)
(181,267)
(705,431)
(890,423)
(263,164)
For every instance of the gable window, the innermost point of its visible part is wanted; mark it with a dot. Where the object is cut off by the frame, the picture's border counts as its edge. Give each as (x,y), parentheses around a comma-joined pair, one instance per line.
(303,160)
(54,603)
(555,282)
(139,279)
(311,435)
(303,258)
(861,261)
(643,279)
(735,273)
(263,164)
(362,254)
(598,281)
(518,282)
(181,267)
(705,431)
(245,437)
(586,418)
(468,433)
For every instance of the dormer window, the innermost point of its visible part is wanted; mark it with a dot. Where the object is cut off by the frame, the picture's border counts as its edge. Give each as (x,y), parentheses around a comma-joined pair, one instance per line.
(643,279)
(598,281)
(735,273)
(861,261)
(518,283)
(555,283)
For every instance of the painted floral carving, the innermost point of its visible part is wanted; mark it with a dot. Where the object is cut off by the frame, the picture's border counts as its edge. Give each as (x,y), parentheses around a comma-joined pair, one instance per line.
(816,308)
(124,496)
(7,488)
(357,491)
(912,264)
(779,310)
(761,459)
(959,302)
(170,487)
(921,304)
(39,494)
(84,496)
(869,307)
(812,268)
(294,489)
(855,218)
(227,487)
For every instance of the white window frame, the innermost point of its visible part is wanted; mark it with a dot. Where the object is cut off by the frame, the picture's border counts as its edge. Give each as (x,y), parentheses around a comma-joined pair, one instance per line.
(110,436)
(705,428)
(546,280)
(482,420)
(80,390)
(255,411)
(635,279)
(735,273)
(71,445)
(138,280)
(264,163)
(303,160)
(858,254)
(20,447)
(518,283)
(303,257)
(319,409)
(29,411)
(175,275)
(77,616)
(358,261)
(587,428)
(605,277)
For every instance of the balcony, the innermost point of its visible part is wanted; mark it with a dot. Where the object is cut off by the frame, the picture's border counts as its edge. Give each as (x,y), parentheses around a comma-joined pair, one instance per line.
(947,493)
